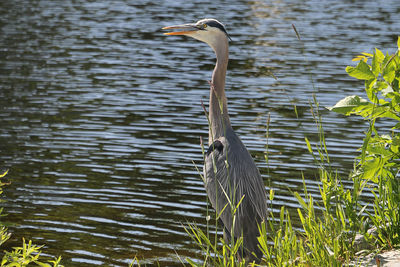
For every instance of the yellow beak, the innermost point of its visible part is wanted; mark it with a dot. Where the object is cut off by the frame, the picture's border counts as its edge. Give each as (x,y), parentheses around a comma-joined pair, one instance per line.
(185,29)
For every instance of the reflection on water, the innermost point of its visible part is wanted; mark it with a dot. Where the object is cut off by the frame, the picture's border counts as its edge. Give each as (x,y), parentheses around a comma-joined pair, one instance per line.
(101,115)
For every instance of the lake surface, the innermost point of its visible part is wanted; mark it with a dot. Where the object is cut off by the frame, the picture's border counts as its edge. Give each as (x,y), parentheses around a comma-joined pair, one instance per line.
(101,116)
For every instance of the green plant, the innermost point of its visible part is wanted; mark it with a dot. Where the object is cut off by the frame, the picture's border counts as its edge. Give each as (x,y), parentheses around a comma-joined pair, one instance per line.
(215,254)
(27,254)
(285,247)
(328,226)
(379,161)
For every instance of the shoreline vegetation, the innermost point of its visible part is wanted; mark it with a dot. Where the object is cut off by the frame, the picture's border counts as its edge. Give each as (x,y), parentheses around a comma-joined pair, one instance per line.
(341,229)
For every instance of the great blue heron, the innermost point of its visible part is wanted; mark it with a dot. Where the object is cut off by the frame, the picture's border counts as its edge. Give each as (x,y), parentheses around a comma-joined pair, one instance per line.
(230,173)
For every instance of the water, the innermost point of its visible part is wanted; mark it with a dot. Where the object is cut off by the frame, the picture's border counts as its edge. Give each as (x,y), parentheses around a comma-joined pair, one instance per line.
(101,116)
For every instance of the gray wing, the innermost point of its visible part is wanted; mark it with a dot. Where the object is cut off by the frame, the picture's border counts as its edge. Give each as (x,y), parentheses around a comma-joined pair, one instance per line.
(230,174)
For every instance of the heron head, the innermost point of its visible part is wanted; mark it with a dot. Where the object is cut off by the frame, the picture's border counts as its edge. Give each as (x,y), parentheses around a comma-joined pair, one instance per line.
(210,31)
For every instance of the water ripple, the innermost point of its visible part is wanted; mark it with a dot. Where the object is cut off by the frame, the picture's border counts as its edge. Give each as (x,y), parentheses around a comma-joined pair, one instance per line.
(102,118)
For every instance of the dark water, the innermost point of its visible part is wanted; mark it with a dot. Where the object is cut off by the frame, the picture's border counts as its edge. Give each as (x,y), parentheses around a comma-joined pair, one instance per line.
(100,113)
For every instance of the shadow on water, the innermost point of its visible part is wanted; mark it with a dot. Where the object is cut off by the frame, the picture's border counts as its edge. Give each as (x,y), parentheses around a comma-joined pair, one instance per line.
(101,116)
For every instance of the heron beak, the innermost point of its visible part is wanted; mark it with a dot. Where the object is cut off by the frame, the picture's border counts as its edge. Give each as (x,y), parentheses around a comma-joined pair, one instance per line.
(185,29)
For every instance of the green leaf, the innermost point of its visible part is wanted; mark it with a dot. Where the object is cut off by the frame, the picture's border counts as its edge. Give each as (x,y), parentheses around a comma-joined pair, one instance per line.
(396,141)
(370,90)
(42,264)
(384,112)
(348,104)
(367,54)
(398,42)
(379,55)
(389,75)
(3,172)
(376,65)
(388,90)
(301,216)
(301,201)
(271,194)
(378,86)
(361,71)
(379,149)
(308,145)
(370,170)
(191,262)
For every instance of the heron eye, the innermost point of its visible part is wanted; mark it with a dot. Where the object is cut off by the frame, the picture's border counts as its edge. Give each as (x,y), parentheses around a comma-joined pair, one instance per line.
(204,26)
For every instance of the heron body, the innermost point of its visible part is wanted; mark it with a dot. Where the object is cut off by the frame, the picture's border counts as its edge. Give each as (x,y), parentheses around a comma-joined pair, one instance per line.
(231,175)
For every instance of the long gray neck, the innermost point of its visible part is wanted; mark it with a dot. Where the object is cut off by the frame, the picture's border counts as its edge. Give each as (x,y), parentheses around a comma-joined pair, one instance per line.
(218,110)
